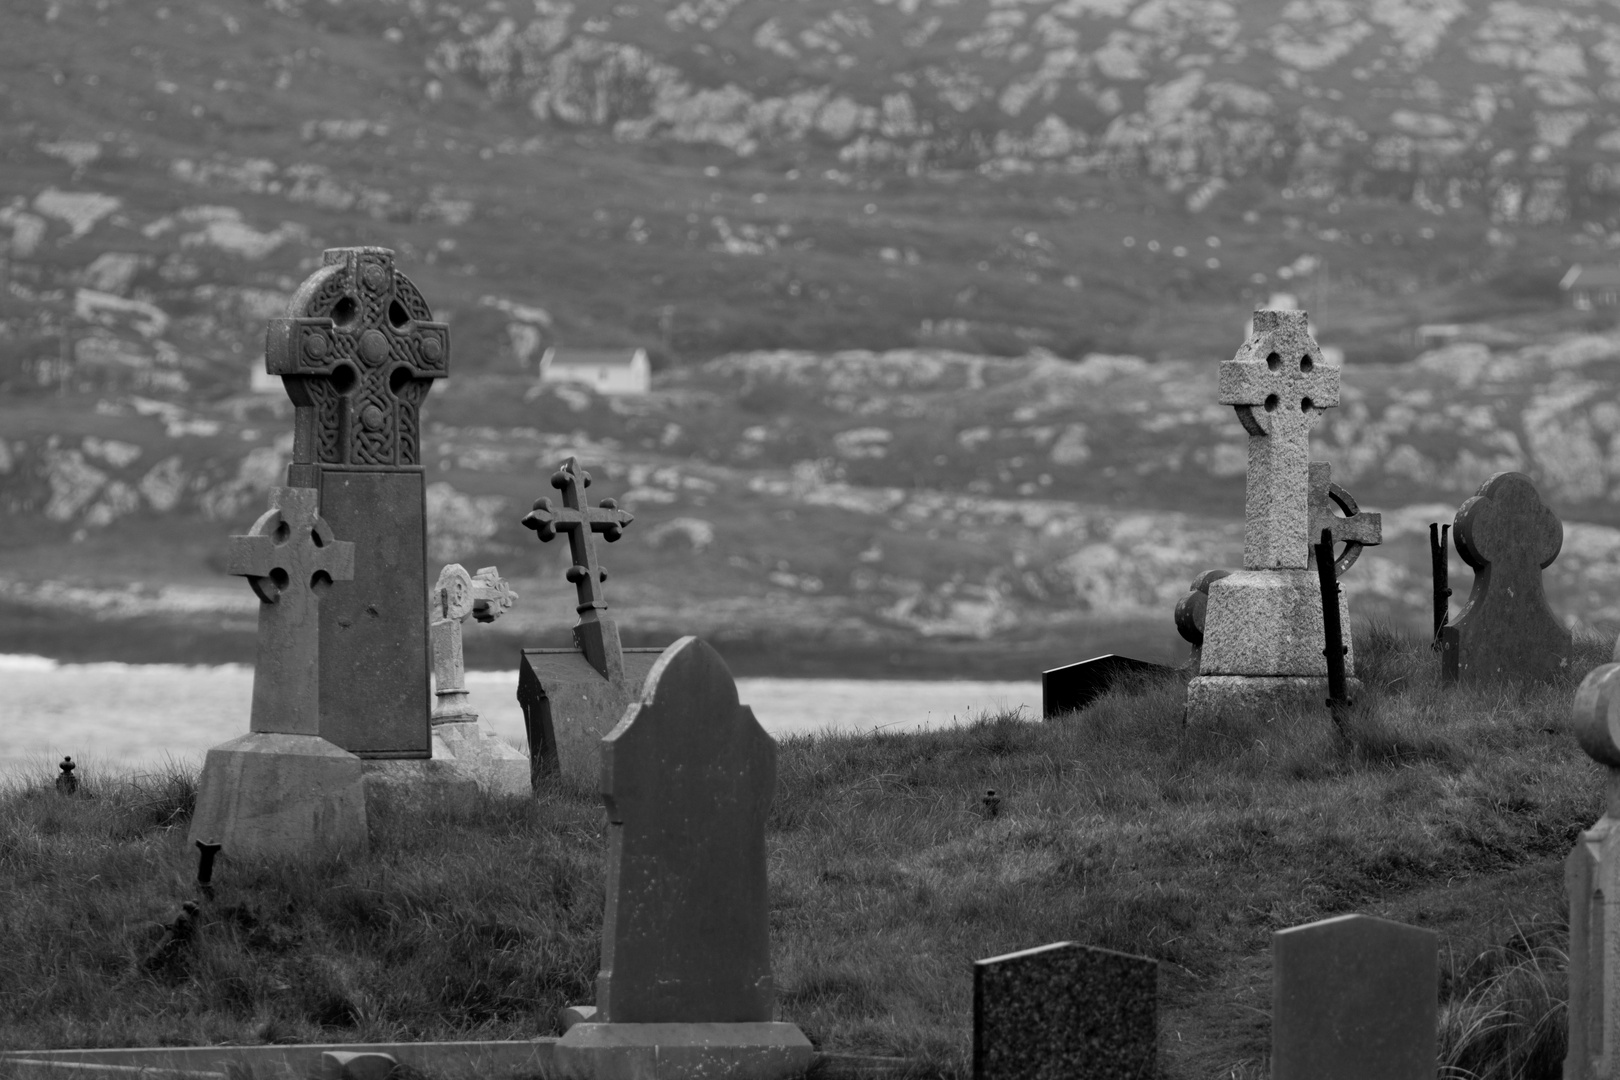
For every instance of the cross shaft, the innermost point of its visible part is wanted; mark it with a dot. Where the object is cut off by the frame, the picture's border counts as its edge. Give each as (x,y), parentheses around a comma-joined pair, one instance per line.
(1279,386)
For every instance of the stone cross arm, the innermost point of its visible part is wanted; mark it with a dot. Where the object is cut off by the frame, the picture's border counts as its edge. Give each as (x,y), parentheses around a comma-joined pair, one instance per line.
(290,543)
(491,595)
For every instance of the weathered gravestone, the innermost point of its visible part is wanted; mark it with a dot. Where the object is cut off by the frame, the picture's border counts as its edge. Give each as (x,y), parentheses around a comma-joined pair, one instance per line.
(1354,997)
(573,697)
(1592,883)
(357,356)
(1506,631)
(459,736)
(1191,611)
(283,789)
(685,990)
(1263,637)
(1074,686)
(1065,1012)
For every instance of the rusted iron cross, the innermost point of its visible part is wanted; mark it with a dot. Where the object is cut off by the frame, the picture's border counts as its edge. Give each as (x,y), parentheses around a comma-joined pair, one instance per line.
(579,520)
(1280,386)
(290,558)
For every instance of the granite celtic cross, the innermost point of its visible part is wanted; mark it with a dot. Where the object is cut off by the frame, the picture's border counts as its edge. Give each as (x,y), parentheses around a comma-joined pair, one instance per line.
(1280,386)
(291,559)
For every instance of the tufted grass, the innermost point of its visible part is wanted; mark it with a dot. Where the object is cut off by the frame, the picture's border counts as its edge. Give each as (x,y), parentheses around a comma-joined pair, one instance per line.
(1117,827)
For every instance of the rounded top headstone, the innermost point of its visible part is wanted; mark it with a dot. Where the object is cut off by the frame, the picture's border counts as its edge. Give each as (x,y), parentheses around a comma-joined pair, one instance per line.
(1506,522)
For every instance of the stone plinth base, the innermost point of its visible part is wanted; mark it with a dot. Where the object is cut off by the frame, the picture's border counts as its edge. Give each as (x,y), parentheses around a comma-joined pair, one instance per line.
(1210,697)
(760,1051)
(479,753)
(1269,623)
(274,795)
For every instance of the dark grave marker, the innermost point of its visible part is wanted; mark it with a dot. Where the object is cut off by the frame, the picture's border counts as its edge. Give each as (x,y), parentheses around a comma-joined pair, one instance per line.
(1074,686)
(358,355)
(687,778)
(1354,997)
(571,698)
(1506,631)
(1065,1012)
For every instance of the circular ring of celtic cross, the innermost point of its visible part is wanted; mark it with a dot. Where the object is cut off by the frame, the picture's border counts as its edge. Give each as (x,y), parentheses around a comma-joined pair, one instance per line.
(1352,548)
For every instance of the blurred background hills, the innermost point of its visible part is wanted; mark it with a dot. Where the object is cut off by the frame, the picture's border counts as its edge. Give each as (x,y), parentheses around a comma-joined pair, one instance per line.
(933,294)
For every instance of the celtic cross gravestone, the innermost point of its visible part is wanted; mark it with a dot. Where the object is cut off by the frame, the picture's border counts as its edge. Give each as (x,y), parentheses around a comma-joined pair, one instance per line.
(573,697)
(1507,630)
(358,354)
(283,788)
(1262,632)
(457,594)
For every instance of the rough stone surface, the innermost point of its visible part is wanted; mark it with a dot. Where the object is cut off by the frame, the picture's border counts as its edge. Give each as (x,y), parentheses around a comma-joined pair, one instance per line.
(1268,623)
(1507,631)
(568,706)
(273,794)
(357,355)
(1074,686)
(1210,697)
(1594,894)
(1065,1010)
(1279,385)
(687,779)
(291,558)
(478,752)
(1354,997)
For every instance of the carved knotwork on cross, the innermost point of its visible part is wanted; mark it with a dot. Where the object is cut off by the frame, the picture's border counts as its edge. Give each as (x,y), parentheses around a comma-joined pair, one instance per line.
(357,357)
(290,558)
(1280,386)
(1355,530)
(597,637)
(486,597)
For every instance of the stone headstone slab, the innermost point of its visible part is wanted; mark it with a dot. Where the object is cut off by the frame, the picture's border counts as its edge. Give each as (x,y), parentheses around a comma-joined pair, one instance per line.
(1065,1011)
(1592,884)
(357,353)
(687,779)
(569,706)
(1507,630)
(1354,997)
(1074,686)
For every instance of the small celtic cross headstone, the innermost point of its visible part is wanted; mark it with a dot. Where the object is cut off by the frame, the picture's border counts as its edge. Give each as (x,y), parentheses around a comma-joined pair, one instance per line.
(486,597)
(597,637)
(1279,385)
(1506,630)
(290,559)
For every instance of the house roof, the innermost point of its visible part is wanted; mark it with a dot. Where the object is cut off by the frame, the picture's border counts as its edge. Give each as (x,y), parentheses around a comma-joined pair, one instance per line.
(1599,277)
(569,356)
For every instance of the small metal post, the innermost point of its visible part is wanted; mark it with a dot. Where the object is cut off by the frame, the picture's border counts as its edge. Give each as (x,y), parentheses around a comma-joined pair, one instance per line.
(1338,701)
(205,868)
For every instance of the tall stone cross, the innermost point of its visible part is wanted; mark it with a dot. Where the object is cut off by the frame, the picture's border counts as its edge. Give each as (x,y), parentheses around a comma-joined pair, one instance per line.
(1280,386)
(358,353)
(486,597)
(597,637)
(290,558)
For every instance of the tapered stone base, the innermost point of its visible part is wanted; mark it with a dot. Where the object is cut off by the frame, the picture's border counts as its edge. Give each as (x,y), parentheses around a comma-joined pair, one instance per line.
(272,795)
(759,1051)
(1212,697)
(1269,623)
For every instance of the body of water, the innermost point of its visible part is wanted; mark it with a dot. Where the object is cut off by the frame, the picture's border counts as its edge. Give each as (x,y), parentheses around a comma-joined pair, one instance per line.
(131,716)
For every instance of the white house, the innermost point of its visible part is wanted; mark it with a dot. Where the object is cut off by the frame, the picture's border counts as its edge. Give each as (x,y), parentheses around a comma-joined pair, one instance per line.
(607,371)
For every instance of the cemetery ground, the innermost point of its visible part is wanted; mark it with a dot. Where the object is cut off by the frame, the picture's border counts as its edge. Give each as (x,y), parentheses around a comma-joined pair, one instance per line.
(890,872)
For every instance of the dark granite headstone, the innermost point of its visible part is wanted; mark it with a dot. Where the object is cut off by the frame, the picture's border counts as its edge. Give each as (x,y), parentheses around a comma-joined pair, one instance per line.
(1506,631)
(571,698)
(1074,686)
(1354,997)
(358,354)
(687,778)
(1065,1012)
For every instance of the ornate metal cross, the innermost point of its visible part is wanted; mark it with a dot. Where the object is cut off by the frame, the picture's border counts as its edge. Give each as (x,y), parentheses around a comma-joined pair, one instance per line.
(1280,386)
(579,520)
(486,597)
(357,360)
(290,558)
